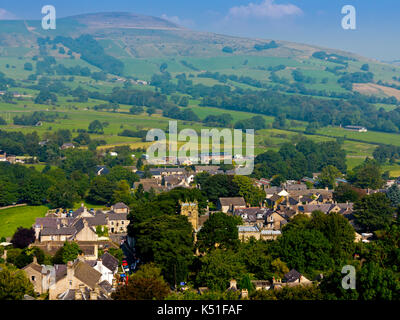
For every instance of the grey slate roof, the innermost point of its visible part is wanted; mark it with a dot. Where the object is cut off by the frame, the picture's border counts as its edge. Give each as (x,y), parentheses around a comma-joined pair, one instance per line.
(98,220)
(110,262)
(117,216)
(87,274)
(67,231)
(61,271)
(47,222)
(106,286)
(120,205)
(292,276)
(235,201)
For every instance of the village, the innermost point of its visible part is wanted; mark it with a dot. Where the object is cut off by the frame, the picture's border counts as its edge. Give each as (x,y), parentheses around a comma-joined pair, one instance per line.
(95,274)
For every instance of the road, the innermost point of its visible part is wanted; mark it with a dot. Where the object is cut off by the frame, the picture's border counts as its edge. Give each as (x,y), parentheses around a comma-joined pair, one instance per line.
(129,253)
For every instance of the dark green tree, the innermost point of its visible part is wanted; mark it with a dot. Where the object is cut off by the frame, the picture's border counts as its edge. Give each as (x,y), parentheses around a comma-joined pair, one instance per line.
(220,230)
(374,212)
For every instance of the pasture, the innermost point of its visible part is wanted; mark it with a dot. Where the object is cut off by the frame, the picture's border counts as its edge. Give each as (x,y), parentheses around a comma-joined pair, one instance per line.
(13,218)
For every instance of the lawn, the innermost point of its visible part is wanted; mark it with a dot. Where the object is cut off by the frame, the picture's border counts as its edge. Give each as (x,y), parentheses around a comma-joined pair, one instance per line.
(12,218)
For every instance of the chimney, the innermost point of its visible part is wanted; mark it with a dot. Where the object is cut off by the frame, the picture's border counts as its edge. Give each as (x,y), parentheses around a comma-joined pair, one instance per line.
(35,259)
(233,284)
(93,295)
(70,270)
(97,290)
(245,293)
(96,251)
(78,294)
(114,283)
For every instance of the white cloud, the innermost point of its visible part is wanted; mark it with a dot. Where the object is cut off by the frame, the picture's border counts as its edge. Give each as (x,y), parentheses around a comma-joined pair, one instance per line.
(6,15)
(266,9)
(178,21)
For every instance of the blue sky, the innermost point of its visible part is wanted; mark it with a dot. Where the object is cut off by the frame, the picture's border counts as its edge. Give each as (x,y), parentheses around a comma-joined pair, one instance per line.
(306,21)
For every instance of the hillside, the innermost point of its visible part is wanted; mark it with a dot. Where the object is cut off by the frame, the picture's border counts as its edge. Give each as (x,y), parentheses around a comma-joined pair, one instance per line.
(90,66)
(144,43)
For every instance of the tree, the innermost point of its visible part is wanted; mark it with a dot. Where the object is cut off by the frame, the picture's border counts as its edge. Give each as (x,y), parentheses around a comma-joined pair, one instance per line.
(367,175)
(136,110)
(184,102)
(245,283)
(219,185)
(28,66)
(279,268)
(68,252)
(96,127)
(62,195)
(122,193)
(46,97)
(8,193)
(146,284)
(301,292)
(151,111)
(373,212)
(119,173)
(280,122)
(14,284)
(79,160)
(377,283)
(34,190)
(101,190)
(23,237)
(365,67)
(252,194)
(337,229)
(166,240)
(328,176)
(393,193)
(218,267)
(220,230)
(8,97)
(303,248)
(345,192)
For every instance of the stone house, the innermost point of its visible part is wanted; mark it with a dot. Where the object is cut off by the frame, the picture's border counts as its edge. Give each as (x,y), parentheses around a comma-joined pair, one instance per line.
(107,265)
(78,276)
(261,284)
(291,279)
(40,276)
(230,204)
(120,207)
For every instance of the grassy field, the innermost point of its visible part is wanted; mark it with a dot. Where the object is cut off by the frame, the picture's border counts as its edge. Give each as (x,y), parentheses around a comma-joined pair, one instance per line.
(13,218)
(370,136)
(75,115)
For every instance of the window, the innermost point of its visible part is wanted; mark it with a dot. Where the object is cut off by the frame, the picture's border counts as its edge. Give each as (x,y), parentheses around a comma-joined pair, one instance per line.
(33,278)
(70,283)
